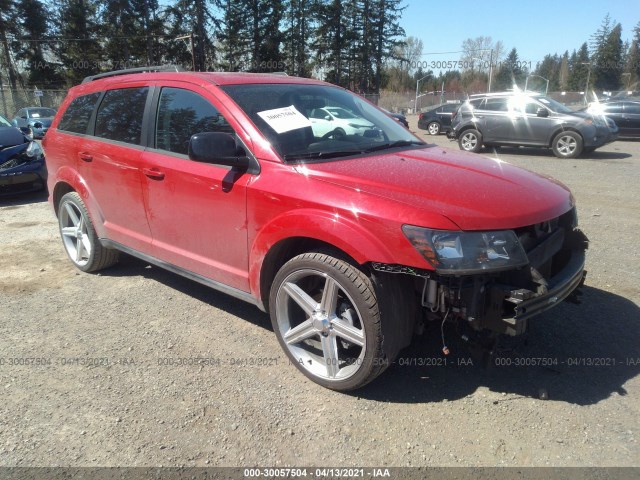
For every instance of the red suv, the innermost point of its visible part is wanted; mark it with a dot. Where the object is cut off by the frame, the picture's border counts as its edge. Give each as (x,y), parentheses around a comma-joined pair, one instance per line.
(350,240)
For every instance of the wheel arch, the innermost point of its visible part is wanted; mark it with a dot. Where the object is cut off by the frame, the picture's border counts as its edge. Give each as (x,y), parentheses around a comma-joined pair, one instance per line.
(562,129)
(291,235)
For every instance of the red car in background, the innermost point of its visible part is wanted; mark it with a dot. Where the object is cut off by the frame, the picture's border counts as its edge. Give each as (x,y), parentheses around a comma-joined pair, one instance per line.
(350,241)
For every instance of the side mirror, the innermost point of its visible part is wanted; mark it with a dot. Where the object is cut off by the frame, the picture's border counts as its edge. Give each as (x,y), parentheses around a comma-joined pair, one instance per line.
(542,112)
(328,117)
(219,148)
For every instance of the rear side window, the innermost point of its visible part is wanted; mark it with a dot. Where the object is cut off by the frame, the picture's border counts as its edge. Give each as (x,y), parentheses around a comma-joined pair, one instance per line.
(120,115)
(76,117)
(182,113)
(495,105)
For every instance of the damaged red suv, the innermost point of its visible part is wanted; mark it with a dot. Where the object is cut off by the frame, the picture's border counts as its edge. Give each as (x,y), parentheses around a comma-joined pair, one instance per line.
(349,230)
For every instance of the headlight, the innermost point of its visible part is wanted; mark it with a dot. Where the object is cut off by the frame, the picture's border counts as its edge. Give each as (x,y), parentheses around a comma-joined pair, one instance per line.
(34,150)
(467,252)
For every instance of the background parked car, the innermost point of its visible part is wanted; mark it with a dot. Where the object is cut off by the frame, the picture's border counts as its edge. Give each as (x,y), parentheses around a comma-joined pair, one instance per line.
(34,121)
(338,120)
(400,118)
(528,120)
(438,119)
(626,114)
(22,167)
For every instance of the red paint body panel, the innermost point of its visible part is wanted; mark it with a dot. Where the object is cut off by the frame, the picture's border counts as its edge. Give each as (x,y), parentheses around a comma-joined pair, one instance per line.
(221,223)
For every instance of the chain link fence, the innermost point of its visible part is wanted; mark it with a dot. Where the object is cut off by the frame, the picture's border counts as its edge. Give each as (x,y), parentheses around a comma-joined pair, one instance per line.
(13,100)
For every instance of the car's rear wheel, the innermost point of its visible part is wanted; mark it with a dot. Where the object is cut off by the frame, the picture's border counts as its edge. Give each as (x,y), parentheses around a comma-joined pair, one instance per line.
(79,237)
(327,319)
(470,141)
(567,145)
(433,128)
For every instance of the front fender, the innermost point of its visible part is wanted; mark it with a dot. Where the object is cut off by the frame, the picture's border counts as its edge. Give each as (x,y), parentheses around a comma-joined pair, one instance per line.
(345,234)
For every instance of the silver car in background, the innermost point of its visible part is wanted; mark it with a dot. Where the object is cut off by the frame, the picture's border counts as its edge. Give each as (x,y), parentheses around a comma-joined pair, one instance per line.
(528,120)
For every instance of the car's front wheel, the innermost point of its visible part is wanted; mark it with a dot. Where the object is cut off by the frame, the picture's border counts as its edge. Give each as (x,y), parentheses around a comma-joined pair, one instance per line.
(567,145)
(79,237)
(433,128)
(327,319)
(470,141)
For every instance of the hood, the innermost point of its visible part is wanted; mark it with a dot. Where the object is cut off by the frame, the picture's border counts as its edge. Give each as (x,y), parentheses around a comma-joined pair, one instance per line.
(10,137)
(475,192)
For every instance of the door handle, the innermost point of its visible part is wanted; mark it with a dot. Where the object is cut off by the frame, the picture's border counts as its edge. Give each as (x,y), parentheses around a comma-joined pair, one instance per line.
(86,157)
(153,173)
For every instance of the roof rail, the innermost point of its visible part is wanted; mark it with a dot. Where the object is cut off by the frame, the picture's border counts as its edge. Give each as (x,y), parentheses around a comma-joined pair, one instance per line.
(114,73)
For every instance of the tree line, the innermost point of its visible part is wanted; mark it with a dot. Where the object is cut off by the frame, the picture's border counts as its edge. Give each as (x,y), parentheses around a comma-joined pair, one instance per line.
(358,44)
(606,61)
(55,44)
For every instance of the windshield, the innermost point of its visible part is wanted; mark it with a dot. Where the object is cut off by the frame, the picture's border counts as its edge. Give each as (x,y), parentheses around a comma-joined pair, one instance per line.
(4,122)
(41,112)
(295,119)
(553,105)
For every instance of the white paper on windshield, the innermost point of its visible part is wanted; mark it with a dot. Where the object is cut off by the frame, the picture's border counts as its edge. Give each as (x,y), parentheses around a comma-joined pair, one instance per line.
(285,119)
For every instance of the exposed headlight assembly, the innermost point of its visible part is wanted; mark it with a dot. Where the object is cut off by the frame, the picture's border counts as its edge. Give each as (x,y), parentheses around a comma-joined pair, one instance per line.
(34,151)
(459,253)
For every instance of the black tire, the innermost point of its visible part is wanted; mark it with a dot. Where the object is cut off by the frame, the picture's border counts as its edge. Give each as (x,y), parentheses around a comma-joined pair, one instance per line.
(326,316)
(567,145)
(470,141)
(433,128)
(79,237)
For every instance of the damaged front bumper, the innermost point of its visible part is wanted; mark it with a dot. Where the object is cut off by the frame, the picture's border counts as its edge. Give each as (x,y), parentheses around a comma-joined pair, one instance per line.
(503,302)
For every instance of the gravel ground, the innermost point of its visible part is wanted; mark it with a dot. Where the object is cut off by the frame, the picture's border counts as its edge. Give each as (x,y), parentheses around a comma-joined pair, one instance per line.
(90,369)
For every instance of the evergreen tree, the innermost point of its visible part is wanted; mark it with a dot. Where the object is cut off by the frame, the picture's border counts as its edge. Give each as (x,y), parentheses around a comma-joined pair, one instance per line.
(300,26)
(79,49)
(510,74)
(549,68)
(608,61)
(579,70)
(631,74)
(195,21)
(8,28)
(33,48)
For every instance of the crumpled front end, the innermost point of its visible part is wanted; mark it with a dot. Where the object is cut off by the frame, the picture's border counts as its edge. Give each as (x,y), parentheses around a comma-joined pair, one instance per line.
(22,169)
(501,300)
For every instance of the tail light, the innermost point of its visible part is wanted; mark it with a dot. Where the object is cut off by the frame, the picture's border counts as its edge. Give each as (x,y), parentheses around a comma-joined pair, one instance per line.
(420,116)
(454,114)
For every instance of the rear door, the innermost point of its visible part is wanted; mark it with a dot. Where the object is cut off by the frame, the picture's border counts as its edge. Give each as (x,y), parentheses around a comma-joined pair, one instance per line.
(615,111)
(530,128)
(445,113)
(631,119)
(492,114)
(196,211)
(108,158)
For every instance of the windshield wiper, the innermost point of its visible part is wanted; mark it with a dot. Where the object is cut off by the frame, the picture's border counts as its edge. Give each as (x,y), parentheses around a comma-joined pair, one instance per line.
(314,155)
(397,143)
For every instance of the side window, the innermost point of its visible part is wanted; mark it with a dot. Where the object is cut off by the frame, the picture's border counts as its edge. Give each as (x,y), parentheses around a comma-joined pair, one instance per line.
(182,113)
(532,108)
(120,115)
(495,105)
(477,103)
(76,117)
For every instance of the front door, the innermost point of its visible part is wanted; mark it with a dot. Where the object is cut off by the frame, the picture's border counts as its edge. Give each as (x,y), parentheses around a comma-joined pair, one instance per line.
(196,211)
